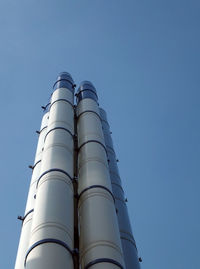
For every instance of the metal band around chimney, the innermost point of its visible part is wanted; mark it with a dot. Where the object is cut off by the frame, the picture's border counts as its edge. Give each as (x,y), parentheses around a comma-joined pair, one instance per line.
(45,107)
(118,185)
(86,112)
(30,211)
(129,240)
(48,240)
(87,89)
(43,129)
(63,79)
(64,100)
(119,199)
(36,164)
(96,186)
(110,148)
(53,170)
(58,128)
(105,121)
(103,260)
(95,141)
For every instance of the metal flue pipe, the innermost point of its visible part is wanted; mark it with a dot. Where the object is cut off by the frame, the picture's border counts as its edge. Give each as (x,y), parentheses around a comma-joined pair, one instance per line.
(51,243)
(100,245)
(28,215)
(128,242)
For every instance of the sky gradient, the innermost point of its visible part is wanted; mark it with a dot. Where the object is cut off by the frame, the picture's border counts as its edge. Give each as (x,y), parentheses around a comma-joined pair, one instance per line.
(143,57)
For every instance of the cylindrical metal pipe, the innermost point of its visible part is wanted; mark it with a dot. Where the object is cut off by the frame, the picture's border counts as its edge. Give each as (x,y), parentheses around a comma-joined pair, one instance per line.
(128,243)
(51,243)
(28,215)
(100,245)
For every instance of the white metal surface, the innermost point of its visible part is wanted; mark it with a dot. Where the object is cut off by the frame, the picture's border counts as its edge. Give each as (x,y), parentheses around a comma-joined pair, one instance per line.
(99,231)
(26,225)
(127,239)
(53,213)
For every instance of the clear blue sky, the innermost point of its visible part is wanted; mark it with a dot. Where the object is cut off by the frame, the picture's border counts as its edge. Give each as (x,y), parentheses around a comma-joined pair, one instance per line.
(143,57)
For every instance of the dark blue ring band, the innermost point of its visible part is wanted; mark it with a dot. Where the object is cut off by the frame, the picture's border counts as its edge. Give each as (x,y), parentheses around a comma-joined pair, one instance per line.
(30,211)
(58,128)
(95,141)
(86,112)
(106,260)
(96,186)
(53,170)
(48,240)
(64,100)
